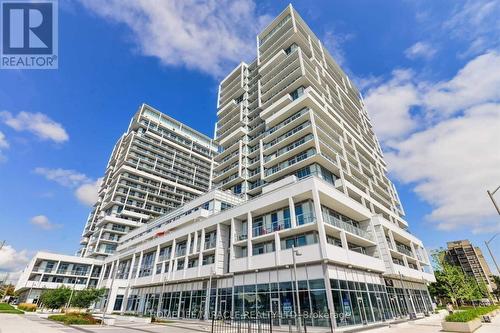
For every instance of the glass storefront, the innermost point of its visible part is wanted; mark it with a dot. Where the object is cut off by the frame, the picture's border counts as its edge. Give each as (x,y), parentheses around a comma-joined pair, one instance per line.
(354,303)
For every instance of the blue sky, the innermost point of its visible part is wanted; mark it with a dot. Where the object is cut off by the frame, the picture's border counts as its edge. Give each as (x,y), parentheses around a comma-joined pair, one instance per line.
(429,72)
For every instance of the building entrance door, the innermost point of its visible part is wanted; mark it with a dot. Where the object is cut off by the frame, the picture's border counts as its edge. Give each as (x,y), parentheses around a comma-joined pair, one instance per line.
(362,313)
(275,311)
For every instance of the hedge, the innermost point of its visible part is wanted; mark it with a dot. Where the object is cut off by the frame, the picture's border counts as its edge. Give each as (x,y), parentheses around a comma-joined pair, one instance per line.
(75,319)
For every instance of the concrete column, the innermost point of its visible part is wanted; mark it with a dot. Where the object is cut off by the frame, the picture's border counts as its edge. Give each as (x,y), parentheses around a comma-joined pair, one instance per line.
(293,219)
(171,260)
(343,239)
(195,242)
(218,243)
(139,265)
(132,262)
(320,223)
(391,237)
(249,238)
(157,256)
(329,297)
(233,236)
(277,248)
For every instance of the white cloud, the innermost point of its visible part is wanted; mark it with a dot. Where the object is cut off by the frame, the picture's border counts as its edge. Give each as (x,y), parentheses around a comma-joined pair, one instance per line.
(389,105)
(3,141)
(391,102)
(442,138)
(37,123)
(88,193)
(477,82)
(420,50)
(12,262)
(210,36)
(64,177)
(85,187)
(476,22)
(3,145)
(334,43)
(452,164)
(43,222)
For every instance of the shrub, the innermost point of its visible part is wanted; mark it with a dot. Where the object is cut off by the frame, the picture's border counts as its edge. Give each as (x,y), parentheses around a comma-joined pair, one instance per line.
(28,307)
(468,315)
(75,319)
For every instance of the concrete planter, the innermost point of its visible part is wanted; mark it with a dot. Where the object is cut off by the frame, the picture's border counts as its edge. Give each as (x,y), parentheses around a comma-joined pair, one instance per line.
(467,327)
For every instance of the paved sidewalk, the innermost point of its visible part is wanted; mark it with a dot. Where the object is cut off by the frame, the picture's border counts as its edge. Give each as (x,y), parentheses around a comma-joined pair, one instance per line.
(30,323)
(34,323)
(433,325)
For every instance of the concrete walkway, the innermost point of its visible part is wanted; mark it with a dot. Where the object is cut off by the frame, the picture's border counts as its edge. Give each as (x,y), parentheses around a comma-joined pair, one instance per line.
(30,323)
(34,323)
(432,324)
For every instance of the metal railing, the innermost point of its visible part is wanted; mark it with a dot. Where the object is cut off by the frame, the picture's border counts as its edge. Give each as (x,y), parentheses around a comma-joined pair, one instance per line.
(346,226)
(275,226)
(404,250)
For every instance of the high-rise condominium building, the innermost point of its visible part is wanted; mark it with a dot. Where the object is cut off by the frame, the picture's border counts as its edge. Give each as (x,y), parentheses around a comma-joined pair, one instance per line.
(300,179)
(293,111)
(470,258)
(158,165)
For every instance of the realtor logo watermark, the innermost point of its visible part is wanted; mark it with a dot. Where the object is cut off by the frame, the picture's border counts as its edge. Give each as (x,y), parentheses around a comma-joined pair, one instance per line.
(28,34)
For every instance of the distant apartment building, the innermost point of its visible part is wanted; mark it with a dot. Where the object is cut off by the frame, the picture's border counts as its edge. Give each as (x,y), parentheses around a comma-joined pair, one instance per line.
(470,258)
(50,271)
(158,165)
(300,178)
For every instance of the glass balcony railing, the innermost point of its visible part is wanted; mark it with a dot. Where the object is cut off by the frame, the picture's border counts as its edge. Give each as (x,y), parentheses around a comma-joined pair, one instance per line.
(404,250)
(275,226)
(302,219)
(180,252)
(209,244)
(332,220)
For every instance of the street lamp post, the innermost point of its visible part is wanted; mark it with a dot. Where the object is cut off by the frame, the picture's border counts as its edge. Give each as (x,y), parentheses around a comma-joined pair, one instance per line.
(491,194)
(296,253)
(160,301)
(72,292)
(487,243)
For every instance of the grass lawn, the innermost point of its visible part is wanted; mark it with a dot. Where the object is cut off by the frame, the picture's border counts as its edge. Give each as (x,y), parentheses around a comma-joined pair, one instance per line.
(7,308)
(75,319)
(470,314)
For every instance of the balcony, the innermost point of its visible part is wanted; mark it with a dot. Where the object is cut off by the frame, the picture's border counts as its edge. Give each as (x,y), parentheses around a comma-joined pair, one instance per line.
(275,226)
(210,244)
(180,252)
(303,219)
(402,249)
(332,220)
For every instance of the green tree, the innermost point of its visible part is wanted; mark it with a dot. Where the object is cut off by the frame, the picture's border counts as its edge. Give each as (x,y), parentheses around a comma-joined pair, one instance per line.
(6,290)
(85,298)
(451,281)
(55,298)
(496,291)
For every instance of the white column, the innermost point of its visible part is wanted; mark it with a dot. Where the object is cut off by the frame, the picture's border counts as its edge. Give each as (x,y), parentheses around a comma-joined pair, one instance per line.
(171,261)
(249,238)
(139,265)
(293,219)
(157,256)
(233,236)
(320,223)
